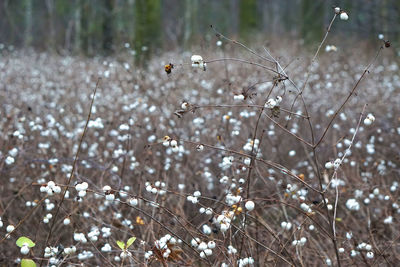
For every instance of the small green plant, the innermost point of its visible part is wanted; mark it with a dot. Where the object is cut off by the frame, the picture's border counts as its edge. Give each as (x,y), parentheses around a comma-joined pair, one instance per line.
(25,244)
(25,241)
(124,247)
(27,263)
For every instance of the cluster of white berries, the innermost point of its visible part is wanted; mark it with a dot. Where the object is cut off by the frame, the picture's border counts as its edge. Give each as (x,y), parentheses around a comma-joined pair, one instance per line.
(342,14)
(226,162)
(286,225)
(106,232)
(162,244)
(232,199)
(30,204)
(69,250)
(352,204)
(232,249)
(245,261)
(369,119)
(50,251)
(194,198)
(271,103)
(206,248)
(330,48)
(50,205)
(223,221)
(249,144)
(93,234)
(238,97)
(81,188)
(363,247)
(51,188)
(207,211)
(80,237)
(333,164)
(108,192)
(305,207)
(84,255)
(206,229)
(225,180)
(1,222)
(157,188)
(9,160)
(47,218)
(54,251)
(299,242)
(198,62)
(388,220)
(97,123)
(125,254)
(169,142)
(12,154)
(106,248)
(148,254)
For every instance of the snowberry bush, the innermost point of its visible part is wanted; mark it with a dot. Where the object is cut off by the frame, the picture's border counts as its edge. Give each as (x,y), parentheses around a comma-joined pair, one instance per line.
(232,156)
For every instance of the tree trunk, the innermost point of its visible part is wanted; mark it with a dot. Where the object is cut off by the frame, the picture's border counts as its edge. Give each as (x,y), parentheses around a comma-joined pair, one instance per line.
(78,26)
(28,23)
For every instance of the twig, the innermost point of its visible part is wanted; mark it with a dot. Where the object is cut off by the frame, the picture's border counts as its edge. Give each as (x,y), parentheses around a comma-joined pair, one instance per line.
(334,176)
(243,61)
(73,166)
(240,44)
(348,97)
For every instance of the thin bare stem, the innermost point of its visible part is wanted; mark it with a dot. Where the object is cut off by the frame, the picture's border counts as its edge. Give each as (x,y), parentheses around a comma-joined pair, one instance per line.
(240,44)
(334,176)
(323,40)
(74,164)
(243,61)
(348,97)
(313,60)
(248,106)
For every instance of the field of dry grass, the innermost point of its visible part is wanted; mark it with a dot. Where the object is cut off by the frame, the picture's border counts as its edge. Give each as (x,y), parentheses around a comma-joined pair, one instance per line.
(231,166)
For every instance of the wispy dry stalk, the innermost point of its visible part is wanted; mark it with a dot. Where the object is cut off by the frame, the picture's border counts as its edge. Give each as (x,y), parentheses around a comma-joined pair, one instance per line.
(334,175)
(73,166)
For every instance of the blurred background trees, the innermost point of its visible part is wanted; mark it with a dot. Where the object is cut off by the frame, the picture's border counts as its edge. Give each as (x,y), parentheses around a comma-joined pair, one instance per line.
(94,27)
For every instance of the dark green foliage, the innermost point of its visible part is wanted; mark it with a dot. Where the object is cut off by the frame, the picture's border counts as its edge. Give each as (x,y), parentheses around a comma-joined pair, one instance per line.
(312,20)
(249,18)
(147,24)
(94,27)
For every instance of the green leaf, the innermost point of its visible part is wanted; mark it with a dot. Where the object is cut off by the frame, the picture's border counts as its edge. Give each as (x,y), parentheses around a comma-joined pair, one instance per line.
(130,241)
(22,240)
(121,245)
(28,263)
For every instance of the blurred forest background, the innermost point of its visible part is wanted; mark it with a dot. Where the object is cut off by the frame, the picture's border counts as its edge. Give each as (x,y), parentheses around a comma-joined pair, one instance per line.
(93,27)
